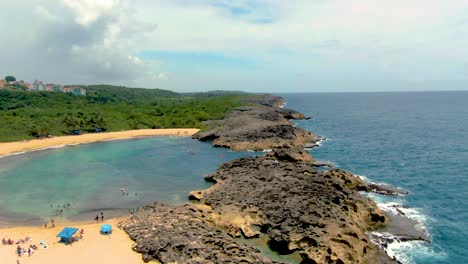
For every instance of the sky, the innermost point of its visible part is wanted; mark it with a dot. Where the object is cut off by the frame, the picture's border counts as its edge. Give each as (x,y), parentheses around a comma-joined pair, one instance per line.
(248,45)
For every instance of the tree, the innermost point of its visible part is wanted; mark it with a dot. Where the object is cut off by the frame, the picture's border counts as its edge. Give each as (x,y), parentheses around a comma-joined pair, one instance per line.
(95,120)
(10,79)
(71,122)
(39,128)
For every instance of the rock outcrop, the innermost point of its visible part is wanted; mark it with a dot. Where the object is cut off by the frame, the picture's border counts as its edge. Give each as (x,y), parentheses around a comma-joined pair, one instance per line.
(299,208)
(185,234)
(285,195)
(257,127)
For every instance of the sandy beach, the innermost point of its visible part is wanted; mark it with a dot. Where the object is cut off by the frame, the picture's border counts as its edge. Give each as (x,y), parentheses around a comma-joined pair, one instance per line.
(93,248)
(37,144)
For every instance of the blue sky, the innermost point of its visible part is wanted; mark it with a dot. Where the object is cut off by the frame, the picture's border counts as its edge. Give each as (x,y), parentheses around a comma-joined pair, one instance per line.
(250,45)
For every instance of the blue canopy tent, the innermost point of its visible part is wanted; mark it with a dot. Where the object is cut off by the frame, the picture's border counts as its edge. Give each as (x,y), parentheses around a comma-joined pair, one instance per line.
(66,234)
(106,229)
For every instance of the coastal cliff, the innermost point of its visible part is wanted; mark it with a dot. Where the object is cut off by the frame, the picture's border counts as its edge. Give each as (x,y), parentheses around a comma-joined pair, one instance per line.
(260,124)
(299,205)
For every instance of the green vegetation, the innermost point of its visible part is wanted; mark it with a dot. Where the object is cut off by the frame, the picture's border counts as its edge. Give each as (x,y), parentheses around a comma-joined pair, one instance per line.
(25,115)
(10,79)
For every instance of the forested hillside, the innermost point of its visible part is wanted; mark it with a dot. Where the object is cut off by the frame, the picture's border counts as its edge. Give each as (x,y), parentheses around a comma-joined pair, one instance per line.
(26,115)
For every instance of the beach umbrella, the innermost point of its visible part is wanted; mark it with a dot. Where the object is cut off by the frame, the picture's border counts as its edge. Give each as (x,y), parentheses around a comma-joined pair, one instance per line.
(106,229)
(67,233)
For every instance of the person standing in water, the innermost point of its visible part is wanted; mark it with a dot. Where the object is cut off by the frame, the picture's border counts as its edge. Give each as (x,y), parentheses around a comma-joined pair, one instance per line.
(96,218)
(102,216)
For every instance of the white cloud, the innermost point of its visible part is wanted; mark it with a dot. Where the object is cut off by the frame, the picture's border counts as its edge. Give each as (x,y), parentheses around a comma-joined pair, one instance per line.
(89,11)
(162,76)
(96,41)
(42,12)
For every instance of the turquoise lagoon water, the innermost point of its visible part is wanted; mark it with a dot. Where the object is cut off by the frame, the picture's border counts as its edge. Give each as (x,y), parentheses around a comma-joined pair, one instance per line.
(417,141)
(111,177)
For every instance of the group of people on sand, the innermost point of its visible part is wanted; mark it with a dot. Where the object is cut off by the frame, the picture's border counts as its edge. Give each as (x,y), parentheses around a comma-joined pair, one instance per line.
(96,218)
(10,241)
(52,223)
(21,251)
(76,238)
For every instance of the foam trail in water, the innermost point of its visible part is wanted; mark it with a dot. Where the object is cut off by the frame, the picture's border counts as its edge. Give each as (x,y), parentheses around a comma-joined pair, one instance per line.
(39,149)
(407,251)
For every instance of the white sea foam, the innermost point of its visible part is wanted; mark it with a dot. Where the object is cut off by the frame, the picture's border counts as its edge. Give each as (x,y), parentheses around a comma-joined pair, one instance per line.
(319,143)
(58,146)
(415,214)
(362,177)
(13,154)
(403,251)
(406,251)
(400,192)
(40,149)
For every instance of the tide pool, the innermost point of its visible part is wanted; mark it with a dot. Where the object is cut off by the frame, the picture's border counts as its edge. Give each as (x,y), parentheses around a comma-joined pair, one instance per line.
(111,177)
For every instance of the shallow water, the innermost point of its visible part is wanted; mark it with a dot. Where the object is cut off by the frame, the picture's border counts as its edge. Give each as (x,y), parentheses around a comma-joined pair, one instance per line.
(111,177)
(417,141)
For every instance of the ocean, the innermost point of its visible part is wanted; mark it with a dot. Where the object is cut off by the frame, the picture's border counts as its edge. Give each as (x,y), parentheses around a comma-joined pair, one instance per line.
(417,141)
(111,177)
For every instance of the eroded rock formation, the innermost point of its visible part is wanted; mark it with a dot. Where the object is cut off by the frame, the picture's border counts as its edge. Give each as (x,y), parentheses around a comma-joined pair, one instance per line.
(299,207)
(257,127)
(284,195)
(185,234)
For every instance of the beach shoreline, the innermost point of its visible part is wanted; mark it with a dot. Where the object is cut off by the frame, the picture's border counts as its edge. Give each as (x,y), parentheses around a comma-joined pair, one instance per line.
(93,248)
(18,147)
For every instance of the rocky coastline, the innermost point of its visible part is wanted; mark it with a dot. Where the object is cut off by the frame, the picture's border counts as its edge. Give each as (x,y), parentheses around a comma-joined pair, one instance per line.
(301,206)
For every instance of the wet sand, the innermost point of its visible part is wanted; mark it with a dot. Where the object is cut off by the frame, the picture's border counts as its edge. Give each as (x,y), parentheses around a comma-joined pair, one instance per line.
(93,248)
(37,144)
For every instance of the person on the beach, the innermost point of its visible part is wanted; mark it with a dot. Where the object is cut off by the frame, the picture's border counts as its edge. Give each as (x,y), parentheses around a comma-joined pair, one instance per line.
(52,222)
(96,218)
(19,250)
(102,217)
(61,212)
(30,251)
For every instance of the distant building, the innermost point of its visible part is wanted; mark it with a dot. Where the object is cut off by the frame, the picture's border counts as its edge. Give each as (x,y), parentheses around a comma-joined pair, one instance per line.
(38,86)
(75,90)
(2,83)
(54,87)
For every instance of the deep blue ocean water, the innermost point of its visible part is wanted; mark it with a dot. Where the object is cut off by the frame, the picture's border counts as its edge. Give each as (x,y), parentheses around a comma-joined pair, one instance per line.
(414,140)
(113,177)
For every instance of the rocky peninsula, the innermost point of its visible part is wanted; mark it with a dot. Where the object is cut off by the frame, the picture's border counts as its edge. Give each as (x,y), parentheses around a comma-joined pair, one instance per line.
(299,205)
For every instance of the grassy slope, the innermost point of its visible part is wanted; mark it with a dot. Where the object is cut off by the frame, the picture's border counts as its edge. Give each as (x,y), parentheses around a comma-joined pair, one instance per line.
(122,109)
